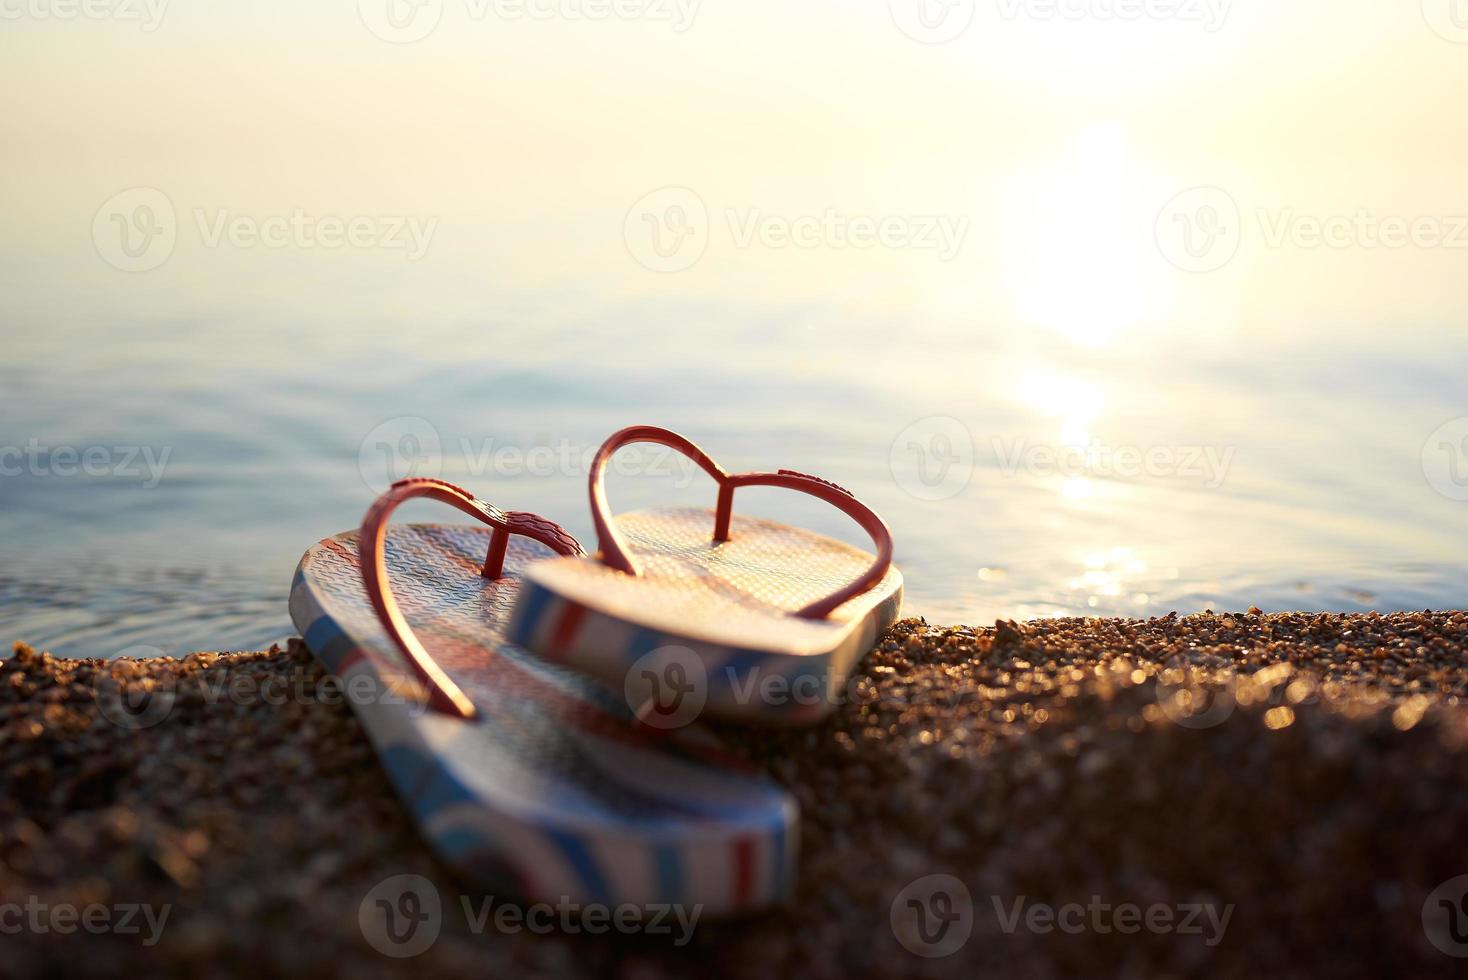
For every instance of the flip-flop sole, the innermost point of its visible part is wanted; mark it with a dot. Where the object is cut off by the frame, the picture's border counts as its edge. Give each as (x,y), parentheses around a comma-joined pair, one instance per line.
(552,790)
(724,609)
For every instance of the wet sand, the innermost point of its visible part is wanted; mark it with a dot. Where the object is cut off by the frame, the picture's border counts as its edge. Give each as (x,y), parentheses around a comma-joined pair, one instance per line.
(1304,775)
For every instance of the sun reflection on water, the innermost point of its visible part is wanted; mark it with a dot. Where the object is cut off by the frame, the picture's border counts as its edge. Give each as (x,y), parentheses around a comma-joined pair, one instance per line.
(1109,575)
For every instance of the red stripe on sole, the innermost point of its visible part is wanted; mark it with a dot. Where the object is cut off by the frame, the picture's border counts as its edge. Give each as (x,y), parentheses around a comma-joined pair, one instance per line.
(565,628)
(341,551)
(354,656)
(743,870)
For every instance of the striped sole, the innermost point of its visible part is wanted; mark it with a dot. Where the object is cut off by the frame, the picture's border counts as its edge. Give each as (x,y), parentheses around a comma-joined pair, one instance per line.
(554,792)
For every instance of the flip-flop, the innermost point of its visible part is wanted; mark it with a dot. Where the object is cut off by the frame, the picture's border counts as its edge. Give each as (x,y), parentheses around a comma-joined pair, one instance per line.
(523,775)
(753,618)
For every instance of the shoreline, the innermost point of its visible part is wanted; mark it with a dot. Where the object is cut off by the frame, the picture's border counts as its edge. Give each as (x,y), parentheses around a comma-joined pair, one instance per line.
(1307,771)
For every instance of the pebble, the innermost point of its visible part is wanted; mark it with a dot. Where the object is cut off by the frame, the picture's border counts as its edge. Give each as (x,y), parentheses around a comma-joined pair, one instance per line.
(1307,769)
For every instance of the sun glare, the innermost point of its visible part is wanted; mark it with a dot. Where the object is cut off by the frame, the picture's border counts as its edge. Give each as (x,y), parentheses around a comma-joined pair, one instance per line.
(1083,255)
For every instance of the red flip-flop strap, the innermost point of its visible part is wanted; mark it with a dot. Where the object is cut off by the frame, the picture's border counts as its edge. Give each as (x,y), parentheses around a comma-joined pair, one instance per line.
(843,500)
(443,694)
(613,549)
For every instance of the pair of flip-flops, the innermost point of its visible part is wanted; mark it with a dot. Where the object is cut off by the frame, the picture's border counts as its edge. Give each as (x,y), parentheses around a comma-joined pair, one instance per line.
(536,707)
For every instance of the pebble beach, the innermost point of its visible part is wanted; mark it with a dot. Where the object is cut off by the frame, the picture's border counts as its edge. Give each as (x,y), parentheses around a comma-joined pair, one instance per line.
(1222,794)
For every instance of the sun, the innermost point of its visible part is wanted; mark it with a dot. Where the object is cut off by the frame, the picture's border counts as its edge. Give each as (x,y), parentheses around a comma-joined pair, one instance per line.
(1083,266)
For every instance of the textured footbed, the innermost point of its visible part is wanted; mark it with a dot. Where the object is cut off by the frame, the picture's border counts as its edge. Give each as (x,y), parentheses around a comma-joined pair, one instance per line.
(552,787)
(737,593)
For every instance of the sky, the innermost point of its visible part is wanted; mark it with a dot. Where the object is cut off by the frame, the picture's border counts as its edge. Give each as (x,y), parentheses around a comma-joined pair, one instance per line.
(1040,169)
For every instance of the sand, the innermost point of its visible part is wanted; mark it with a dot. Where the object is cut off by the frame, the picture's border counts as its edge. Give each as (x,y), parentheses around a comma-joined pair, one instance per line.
(1302,779)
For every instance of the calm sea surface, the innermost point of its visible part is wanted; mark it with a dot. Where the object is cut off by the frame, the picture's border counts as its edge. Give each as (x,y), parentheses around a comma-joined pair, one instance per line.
(162,480)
